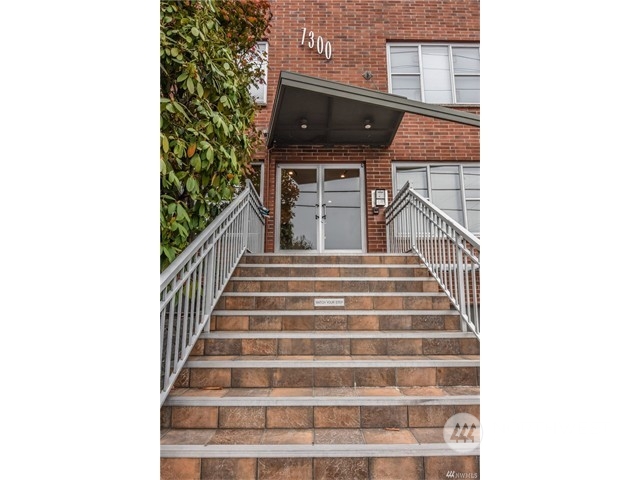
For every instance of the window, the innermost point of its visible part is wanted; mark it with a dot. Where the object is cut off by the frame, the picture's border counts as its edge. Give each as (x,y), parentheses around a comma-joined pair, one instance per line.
(453,188)
(259,57)
(434,73)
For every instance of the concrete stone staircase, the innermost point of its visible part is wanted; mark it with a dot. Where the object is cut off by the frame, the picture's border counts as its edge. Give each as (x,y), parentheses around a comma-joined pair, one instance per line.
(324,367)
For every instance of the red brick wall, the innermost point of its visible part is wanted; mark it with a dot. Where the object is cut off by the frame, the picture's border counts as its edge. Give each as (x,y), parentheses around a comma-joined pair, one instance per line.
(359,31)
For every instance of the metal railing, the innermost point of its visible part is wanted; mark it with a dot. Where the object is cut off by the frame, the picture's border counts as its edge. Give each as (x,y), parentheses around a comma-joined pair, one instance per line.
(450,252)
(193,283)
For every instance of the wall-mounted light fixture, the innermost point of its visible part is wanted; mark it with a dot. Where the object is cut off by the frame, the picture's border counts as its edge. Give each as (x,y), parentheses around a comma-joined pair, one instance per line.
(343,174)
(303,123)
(367,123)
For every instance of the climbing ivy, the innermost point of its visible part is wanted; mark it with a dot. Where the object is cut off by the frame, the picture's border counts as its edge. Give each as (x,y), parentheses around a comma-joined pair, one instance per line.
(207,65)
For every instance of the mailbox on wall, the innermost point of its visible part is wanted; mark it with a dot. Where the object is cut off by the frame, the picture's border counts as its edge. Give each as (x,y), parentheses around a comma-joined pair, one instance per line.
(379,198)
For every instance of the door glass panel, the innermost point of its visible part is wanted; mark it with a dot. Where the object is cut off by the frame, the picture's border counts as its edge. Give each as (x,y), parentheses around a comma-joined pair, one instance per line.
(343,224)
(298,199)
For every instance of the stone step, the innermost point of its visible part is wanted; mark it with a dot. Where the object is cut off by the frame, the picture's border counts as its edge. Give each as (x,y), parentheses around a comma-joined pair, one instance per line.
(330,270)
(334,416)
(331,284)
(348,320)
(320,454)
(361,407)
(337,301)
(329,371)
(337,259)
(337,343)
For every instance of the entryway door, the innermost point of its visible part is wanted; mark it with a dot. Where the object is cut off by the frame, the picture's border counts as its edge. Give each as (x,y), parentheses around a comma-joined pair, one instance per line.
(321,208)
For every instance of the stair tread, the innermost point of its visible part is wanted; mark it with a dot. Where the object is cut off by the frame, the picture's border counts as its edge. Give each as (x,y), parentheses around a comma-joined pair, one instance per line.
(334,294)
(336,265)
(331,361)
(306,442)
(333,279)
(338,334)
(369,312)
(442,395)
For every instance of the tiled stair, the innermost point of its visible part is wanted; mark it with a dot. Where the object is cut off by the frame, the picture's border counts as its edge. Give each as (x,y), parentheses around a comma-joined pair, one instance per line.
(288,386)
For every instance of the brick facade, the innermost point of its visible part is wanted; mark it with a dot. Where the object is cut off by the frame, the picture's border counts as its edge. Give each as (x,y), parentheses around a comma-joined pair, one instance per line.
(359,32)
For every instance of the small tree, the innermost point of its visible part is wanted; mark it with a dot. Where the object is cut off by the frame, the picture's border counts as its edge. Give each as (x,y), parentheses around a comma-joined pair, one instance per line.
(207,134)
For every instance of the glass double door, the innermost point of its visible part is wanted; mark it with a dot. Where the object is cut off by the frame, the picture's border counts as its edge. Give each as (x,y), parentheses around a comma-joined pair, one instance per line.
(321,208)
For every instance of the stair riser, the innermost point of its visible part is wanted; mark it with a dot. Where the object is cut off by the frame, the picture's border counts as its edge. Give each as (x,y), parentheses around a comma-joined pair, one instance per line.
(337,346)
(328,377)
(331,259)
(330,271)
(339,321)
(293,417)
(313,285)
(328,468)
(368,302)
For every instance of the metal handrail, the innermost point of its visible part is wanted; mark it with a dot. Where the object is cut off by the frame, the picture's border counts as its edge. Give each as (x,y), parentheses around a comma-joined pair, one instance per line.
(450,252)
(191,286)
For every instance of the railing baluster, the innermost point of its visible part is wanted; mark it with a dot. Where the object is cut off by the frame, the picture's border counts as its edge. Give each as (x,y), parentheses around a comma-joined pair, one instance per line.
(193,283)
(450,252)
(169,343)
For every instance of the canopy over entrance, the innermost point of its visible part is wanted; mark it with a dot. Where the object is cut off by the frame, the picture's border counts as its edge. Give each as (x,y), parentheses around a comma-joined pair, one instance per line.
(312,111)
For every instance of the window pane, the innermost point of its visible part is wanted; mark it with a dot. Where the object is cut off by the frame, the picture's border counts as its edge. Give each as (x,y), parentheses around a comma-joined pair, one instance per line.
(406,85)
(473,216)
(471,177)
(468,89)
(404,60)
(447,199)
(471,193)
(259,58)
(445,178)
(445,169)
(417,177)
(466,60)
(436,73)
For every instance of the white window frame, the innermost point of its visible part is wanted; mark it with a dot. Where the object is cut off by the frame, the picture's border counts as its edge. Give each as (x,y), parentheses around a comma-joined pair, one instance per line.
(262,101)
(452,75)
(428,165)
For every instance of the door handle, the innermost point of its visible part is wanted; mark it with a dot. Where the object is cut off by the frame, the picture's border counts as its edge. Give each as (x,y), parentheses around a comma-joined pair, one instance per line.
(324,211)
(317,216)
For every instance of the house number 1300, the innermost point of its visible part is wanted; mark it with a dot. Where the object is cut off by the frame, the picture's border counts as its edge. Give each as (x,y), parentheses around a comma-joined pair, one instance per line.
(318,43)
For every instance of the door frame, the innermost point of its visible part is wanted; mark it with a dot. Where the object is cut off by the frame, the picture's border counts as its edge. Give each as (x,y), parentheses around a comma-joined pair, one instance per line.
(320,167)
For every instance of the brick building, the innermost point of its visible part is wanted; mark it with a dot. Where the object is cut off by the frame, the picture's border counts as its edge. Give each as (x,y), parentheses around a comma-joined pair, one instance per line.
(360,97)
